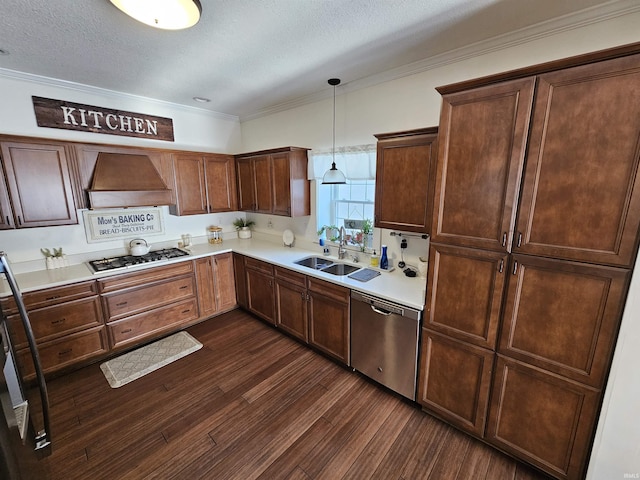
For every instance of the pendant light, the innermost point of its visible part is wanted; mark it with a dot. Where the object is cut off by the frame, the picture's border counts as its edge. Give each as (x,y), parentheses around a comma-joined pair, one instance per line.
(333,176)
(164,14)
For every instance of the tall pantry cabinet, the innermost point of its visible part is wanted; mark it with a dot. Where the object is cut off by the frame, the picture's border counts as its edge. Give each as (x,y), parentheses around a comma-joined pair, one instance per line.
(535,232)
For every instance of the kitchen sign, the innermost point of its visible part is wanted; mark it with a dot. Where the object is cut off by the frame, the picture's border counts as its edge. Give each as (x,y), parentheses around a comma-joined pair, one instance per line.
(105,225)
(88,118)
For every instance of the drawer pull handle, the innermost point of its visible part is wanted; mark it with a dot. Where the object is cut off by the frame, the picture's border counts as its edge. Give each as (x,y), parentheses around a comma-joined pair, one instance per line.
(56,322)
(121,304)
(501,268)
(183,287)
(186,311)
(65,352)
(53,297)
(126,331)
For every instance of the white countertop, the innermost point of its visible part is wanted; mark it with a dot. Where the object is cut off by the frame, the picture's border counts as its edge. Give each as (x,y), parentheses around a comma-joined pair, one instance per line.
(393,286)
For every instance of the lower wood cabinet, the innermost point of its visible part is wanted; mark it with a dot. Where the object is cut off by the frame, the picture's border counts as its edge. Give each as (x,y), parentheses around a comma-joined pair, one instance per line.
(454,381)
(148,303)
(329,326)
(65,351)
(216,286)
(260,289)
(132,329)
(67,323)
(542,417)
(292,303)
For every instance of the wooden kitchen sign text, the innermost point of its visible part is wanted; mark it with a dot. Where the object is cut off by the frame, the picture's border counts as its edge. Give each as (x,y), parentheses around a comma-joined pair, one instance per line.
(88,118)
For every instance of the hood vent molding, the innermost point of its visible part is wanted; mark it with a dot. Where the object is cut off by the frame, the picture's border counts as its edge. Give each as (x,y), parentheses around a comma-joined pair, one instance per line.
(127,180)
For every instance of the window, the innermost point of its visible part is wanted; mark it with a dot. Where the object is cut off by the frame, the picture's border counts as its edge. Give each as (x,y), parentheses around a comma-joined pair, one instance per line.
(350,205)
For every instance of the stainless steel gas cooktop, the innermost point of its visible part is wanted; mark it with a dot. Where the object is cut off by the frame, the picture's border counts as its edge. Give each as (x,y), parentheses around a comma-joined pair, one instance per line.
(126,261)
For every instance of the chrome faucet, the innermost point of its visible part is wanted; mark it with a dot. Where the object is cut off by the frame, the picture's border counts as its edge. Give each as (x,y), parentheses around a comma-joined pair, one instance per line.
(341,250)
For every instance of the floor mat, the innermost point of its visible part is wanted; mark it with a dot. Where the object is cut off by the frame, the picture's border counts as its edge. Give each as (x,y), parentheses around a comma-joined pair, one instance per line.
(137,363)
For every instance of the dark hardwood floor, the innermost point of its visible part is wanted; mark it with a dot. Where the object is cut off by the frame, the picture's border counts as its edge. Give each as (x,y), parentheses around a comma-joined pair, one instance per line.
(255,404)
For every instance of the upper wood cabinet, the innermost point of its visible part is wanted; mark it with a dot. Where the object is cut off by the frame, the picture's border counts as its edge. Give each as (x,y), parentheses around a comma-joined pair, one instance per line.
(274,181)
(38,189)
(481,145)
(581,191)
(405,163)
(204,184)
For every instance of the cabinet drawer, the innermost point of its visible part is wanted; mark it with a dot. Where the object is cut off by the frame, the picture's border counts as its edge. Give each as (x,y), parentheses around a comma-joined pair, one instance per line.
(258,265)
(65,351)
(51,296)
(145,276)
(329,289)
(131,329)
(137,300)
(52,322)
(290,276)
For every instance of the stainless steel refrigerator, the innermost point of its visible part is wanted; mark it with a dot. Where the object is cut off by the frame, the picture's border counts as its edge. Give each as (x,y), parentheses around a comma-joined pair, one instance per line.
(24,422)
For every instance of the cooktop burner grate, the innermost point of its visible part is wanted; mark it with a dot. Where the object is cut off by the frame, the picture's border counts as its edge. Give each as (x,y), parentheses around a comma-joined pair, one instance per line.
(125,261)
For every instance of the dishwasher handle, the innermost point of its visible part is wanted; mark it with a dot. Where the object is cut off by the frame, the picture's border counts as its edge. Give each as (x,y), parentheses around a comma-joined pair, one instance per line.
(380,311)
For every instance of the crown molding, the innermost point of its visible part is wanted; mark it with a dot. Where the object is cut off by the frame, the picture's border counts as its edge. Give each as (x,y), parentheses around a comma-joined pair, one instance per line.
(88,89)
(588,16)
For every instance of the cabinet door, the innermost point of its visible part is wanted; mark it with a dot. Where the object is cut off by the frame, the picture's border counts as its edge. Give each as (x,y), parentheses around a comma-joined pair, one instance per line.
(581,191)
(454,380)
(39,184)
(191,197)
(563,316)
(260,294)
(464,293)
(206,286)
(263,184)
(405,164)
(246,184)
(292,306)
(225,287)
(329,319)
(542,418)
(481,145)
(220,173)
(241,280)
(6,213)
(281,184)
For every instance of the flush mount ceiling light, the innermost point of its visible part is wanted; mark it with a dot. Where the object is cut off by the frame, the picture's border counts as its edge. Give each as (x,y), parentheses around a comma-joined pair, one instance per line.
(165,14)
(333,176)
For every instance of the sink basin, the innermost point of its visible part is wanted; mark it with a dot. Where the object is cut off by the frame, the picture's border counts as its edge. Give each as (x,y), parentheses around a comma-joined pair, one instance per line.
(340,269)
(314,262)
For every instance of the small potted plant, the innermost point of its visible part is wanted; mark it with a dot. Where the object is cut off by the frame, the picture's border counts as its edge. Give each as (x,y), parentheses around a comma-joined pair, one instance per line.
(333,232)
(367,232)
(243,227)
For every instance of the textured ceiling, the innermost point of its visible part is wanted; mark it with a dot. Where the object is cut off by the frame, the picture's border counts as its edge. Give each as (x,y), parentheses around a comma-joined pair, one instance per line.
(252,56)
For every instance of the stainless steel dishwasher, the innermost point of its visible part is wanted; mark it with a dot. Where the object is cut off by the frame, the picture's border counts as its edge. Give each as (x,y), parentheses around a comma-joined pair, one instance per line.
(384,342)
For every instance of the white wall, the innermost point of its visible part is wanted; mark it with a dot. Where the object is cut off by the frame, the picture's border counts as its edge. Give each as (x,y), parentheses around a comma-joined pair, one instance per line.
(412,102)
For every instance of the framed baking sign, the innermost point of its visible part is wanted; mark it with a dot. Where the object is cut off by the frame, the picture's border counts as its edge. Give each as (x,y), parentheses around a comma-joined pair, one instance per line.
(105,225)
(89,118)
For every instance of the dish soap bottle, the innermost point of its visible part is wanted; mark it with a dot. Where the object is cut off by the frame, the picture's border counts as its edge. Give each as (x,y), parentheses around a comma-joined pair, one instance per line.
(384,261)
(375,260)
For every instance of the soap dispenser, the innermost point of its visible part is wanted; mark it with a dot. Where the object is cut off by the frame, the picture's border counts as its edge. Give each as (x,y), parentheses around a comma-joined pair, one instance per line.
(375,260)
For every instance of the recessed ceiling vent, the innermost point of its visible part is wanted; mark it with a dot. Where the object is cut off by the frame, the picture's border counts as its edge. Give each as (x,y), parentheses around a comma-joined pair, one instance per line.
(125,180)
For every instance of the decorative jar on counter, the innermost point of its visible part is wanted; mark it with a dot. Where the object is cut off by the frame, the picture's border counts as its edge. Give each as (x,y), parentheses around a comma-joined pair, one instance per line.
(214,234)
